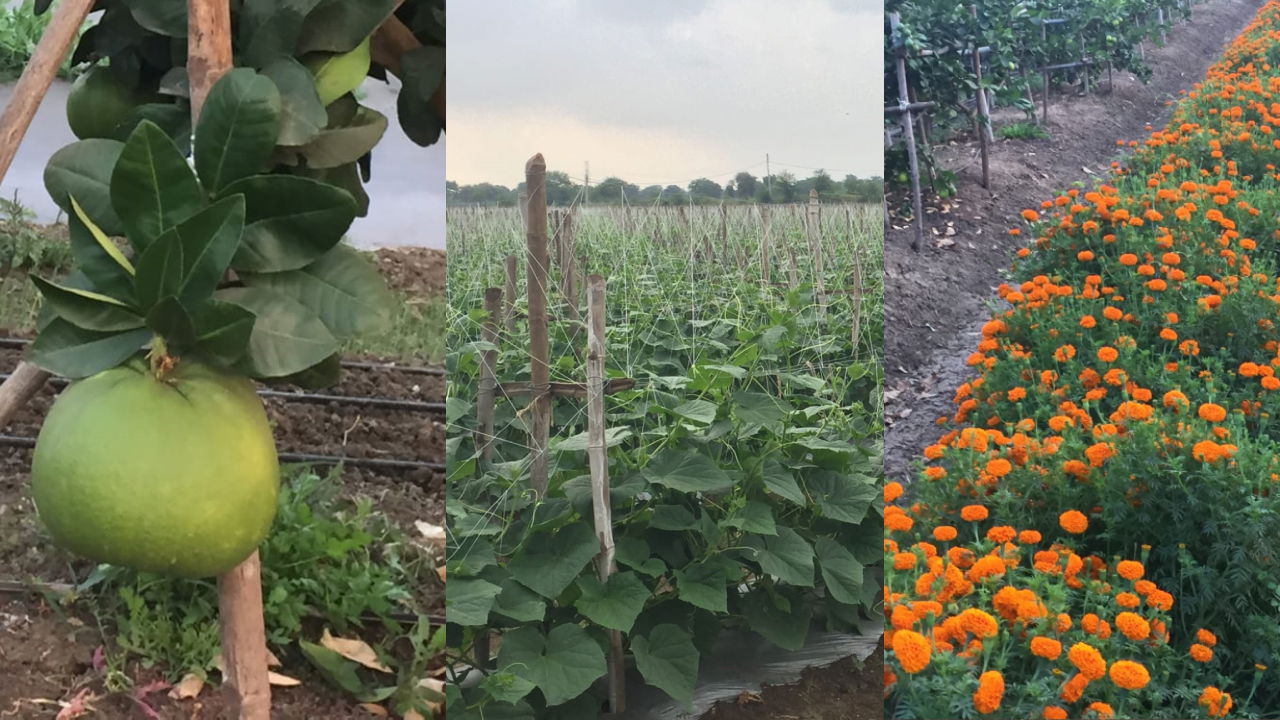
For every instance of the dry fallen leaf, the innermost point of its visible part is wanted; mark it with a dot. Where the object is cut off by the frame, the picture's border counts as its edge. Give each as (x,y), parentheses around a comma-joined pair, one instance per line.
(433,534)
(276,678)
(190,686)
(79,705)
(440,572)
(357,650)
(436,687)
(746,698)
(374,709)
(413,715)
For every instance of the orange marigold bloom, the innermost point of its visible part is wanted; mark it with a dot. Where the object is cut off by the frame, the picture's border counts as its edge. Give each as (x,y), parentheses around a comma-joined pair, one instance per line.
(1201,653)
(1211,412)
(999,467)
(1045,647)
(1206,637)
(1073,521)
(988,566)
(1101,710)
(892,491)
(1053,712)
(1216,702)
(1074,687)
(904,561)
(1064,353)
(979,623)
(974,513)
(1001,534)
(898,522)
(1029,537)
(1175,398)
(1128,600)
(1130,569)
(944,533)
(1030,215)
(912,650)
(1087,660)
(986,699)
(1133,626)
(1129,675)
(1099,453)
(1108,354)
(1129,259)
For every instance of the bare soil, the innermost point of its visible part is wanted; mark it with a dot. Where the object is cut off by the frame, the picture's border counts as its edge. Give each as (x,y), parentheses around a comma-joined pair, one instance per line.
(46,655)
(845,690)
(939,297)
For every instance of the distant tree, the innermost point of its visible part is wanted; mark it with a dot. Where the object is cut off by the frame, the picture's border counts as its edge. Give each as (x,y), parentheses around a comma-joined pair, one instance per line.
(649,194)
(608,190)
(704,188)
(730,190)
(783,187)
(481,194)
(821,181)
(745,185)
(450,186)
(674,195)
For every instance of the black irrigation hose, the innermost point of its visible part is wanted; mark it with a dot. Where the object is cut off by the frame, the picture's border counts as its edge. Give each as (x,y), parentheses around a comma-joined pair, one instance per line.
(320,399)
(303,458)
(351,364)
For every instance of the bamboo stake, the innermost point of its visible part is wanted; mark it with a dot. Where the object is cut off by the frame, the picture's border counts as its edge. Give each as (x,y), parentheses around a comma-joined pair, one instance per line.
(597,457)
(509,296)
(535,172)
(55,43)
(766,257)
(815,247)
(488,377)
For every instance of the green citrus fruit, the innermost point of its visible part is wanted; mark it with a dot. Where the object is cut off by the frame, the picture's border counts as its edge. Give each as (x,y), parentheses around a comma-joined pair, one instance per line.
(176,476)
(98,103)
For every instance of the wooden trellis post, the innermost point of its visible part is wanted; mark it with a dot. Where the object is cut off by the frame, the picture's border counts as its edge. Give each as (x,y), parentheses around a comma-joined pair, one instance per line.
(766,257)
(814,228)
(509,296)
(597,457)
(905,108)
(535,173)
(488,378)
(980,108)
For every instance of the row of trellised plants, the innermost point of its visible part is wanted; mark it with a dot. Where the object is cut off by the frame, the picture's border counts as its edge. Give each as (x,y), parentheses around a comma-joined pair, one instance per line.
(742,452)
(1095,534)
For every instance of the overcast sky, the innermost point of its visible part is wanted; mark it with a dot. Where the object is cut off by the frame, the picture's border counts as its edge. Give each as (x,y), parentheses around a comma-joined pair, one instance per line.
(664,91)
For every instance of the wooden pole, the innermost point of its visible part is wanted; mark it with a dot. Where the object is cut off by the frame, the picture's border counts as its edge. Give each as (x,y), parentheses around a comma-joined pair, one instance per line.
(535,172)
(488,377)
(509,296)
(569,266)
(815,247)
(597,457)
(766,257)
(908,130)
(980,107)
(1044,42)
(54,46)
(244,637)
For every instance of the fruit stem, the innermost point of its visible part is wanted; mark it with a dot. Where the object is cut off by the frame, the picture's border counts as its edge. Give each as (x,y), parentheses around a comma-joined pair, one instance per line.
(162,363)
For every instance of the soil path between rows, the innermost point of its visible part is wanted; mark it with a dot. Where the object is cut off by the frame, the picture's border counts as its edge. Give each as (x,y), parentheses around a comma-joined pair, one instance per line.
(938,298)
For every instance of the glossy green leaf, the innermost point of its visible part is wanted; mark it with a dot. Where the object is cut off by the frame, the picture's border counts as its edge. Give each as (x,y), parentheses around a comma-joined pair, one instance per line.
(238,129)
(72,352)
(302,114)
(152,187)
(291,221)
(841,571)
(615,603)
(338,26)
(222,331)
(699,412)
(753,517)
(208,240)
(337,146)
(469,600)
(843,497)
(786,627)
(520,603)
(668,660)
(159,270)
(703,584)
(549,562)
(507,687)
(87,309)
(562,664)
(83,169)
(171,321)
(782,482)
(342,287)
(98,257)
(422,73)
(287,337)
(673,517)
(687,471)
(165,17)
(786,556)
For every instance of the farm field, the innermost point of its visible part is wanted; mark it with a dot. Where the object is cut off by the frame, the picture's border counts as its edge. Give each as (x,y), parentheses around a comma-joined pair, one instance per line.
(1095,526)
(743,452)
(61,637)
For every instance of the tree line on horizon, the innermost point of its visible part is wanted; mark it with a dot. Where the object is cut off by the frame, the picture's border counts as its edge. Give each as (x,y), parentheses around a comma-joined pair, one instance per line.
(783,187)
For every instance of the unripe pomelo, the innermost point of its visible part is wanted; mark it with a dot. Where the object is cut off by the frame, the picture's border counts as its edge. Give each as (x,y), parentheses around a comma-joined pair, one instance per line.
(98,103)
(176,476)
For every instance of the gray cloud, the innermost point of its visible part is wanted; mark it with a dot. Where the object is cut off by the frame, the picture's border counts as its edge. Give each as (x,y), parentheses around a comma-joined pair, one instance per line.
(735,78)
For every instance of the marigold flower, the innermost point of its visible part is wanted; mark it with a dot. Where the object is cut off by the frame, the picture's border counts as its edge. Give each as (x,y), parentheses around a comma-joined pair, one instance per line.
(892,491)
(1053,712)
(944,533)
(912,650)
(1201,653)
(1206,637)
(1216,702)
(1073,521)
(1101,710)
(1001,534)
(1029,537)
(1108,354)
(1074,687)
(974,513)
(979,623)
(1211,412)
(1129,675)
(1133,626)
(1130,569)
(1087,660)
(1046,647)
(986,699)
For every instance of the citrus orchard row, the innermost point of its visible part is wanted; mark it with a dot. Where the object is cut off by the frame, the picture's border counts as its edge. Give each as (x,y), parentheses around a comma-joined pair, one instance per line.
(1094,535)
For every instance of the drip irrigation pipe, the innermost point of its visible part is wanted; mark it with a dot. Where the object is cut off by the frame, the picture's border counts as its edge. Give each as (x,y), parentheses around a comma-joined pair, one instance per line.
(320,399)
(350,364)
(303,458)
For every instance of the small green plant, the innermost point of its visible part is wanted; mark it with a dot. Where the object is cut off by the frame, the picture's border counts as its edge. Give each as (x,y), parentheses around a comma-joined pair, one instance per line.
(20,30)
(1023,130)
(28,245)
(326,558)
